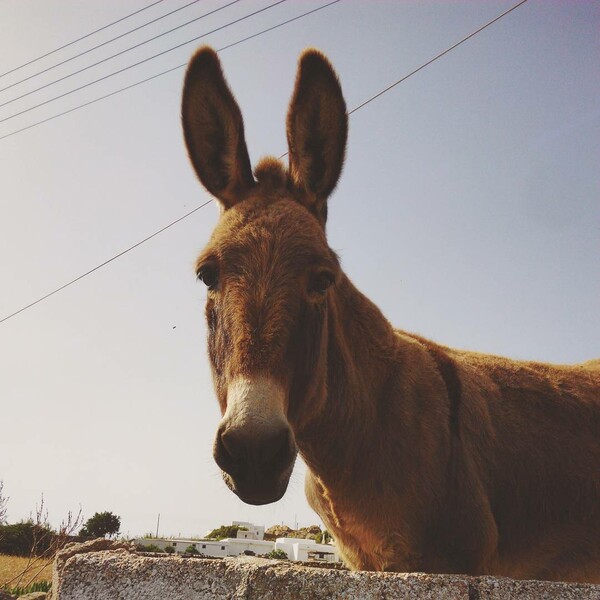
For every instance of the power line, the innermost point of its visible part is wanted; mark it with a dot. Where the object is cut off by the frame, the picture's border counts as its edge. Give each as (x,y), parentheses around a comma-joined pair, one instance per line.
(209,201)
(181,66)
(119,54)
(432,60)
(387,89)
(83,37)
(63,62)
(144,60)
(310,12)
(106,262)
(130,248)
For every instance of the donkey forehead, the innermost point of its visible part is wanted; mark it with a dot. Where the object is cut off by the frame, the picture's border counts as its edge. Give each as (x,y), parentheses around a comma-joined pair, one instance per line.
(259,232)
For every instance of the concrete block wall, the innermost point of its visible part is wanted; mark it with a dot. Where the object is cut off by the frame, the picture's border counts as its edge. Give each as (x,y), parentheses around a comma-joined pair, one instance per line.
(102,570)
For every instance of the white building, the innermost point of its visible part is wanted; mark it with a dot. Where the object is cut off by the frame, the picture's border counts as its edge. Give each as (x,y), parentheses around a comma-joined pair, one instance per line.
(307,550)
(180,544)
(248,541)
(250,532)
(236,546)
(226,547)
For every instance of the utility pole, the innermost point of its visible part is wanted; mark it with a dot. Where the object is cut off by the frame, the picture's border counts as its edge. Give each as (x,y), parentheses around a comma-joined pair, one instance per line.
(157,524)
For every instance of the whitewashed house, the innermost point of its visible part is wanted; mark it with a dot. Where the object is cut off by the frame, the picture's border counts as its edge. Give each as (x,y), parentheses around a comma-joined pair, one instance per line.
(252,532)
(249,541)
(236,546)
(226,547)
(307,550)
(180,544)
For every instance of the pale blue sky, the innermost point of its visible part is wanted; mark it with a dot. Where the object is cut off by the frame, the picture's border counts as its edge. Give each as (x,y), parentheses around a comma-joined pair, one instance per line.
(468,210)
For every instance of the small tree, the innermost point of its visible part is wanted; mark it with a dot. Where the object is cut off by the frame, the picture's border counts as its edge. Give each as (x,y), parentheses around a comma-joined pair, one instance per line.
(191,549)
(278,554)
(170,549)
(3,502)
(225,531)
(101,525)
(324,537)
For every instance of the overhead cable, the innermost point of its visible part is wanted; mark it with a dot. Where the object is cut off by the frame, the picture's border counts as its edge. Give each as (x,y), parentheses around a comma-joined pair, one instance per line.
(106,262)
(118,37)
(83,37)
(181,66)
(209,201)
(42,87)
(468,37)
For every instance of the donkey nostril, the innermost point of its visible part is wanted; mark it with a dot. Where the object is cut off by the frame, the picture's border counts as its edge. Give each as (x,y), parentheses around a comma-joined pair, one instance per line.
(230,444)
(242,453)
(228,453)
(274,450)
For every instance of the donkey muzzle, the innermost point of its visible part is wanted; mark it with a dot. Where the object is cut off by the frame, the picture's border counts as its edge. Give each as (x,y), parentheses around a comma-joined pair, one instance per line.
(254,446)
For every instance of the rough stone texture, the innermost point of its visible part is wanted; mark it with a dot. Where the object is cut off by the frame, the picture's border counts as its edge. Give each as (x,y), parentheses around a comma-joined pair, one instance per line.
(74,548)
(34,596)
(6,596)
(491,588)
(121,574)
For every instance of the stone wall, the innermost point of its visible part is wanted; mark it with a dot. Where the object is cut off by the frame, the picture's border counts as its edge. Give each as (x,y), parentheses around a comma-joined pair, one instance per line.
(101,570)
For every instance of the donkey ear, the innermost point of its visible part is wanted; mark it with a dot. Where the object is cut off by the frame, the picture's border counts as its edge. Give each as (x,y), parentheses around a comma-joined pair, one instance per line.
(317,128)
(214,130)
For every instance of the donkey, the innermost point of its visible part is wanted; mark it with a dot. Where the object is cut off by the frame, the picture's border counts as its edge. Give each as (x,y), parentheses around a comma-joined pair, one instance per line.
(420,457)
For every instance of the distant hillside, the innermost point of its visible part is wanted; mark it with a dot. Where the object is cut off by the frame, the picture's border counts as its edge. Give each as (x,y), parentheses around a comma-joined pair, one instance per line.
(279,531)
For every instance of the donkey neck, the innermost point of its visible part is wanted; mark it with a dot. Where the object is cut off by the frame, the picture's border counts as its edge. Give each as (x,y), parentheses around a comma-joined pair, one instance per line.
(361,351)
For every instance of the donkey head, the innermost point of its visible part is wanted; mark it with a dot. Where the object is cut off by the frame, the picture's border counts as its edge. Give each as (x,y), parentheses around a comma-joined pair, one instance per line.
(267,267)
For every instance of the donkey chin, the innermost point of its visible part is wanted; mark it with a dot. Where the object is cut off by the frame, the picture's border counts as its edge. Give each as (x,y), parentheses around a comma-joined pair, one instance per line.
(259,492)
(254,446)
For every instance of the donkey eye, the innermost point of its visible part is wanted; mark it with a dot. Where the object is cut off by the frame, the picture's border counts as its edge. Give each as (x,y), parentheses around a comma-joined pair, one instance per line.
(320,282)
(209,276)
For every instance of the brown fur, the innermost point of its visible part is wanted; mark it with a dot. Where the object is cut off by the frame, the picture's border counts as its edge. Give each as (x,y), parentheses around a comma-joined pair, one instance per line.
(420,457)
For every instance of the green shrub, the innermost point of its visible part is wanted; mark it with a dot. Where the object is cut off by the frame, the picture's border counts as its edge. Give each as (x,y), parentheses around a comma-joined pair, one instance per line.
(191,549)
(278,554)
(323,538)
(170,550)
(225,531)
(21,539)
(149,548)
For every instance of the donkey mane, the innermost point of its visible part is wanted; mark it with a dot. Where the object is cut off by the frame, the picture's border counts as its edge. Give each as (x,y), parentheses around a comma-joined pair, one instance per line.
(420,457)
(271,173)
